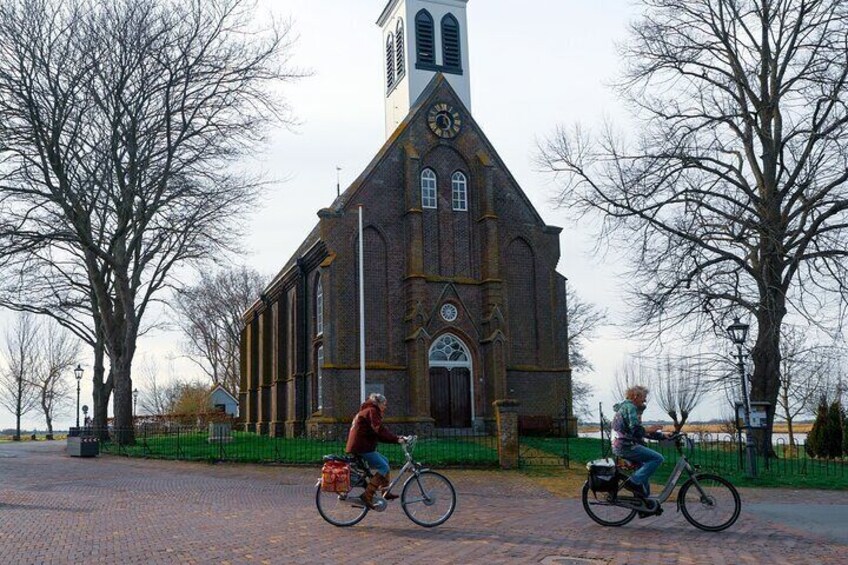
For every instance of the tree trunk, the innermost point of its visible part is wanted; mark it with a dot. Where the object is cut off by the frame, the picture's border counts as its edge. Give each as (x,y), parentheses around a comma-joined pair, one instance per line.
(122,371)
(101,391)
(18,410)
(791,433)
(765,383)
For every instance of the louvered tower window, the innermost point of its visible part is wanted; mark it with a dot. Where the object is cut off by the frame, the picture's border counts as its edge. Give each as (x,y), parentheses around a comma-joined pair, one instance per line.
(451,53)
(400,51)
(390,61)
(425,39)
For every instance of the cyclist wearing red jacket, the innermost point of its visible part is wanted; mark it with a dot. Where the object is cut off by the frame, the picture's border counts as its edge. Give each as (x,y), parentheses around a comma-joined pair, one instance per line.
(365,432)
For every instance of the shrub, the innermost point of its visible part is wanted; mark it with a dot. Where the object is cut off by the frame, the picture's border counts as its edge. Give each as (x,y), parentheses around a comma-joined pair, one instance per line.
(827,436)
(815,439)
(845,433)
(833,431)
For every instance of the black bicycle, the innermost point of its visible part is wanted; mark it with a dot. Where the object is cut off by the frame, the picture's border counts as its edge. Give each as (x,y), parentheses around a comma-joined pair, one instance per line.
(708,501)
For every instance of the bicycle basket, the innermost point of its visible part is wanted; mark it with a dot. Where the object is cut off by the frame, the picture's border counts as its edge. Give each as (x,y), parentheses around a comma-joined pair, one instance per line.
(335,477)
(602,475)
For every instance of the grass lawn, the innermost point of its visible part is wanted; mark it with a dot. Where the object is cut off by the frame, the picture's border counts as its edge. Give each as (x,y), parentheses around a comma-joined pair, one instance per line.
(252,448)
(791,472)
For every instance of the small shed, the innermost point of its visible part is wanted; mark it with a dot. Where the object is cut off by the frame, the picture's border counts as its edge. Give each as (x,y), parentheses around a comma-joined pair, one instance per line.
(224,401)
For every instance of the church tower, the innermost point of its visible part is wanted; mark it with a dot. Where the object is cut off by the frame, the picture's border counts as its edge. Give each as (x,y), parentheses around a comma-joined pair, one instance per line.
(422,38)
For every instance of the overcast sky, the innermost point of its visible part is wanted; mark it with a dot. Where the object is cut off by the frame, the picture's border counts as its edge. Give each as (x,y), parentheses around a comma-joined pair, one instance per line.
(534,63)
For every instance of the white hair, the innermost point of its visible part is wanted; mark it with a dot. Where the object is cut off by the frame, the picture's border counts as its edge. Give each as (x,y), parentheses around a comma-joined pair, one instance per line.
(377,397)
(636,390)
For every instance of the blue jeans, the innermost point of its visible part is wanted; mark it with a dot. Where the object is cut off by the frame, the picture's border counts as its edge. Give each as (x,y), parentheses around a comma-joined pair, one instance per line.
(377,462)
(650,460)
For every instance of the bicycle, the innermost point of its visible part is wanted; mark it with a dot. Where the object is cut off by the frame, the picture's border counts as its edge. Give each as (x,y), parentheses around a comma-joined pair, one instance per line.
(428,498)
(702,497)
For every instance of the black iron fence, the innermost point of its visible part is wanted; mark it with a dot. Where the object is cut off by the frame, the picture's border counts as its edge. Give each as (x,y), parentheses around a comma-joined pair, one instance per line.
(460,448)
(720,453)
(788,464)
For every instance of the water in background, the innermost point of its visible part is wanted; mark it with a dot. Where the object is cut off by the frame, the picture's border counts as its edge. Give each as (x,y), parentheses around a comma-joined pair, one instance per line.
(776,438)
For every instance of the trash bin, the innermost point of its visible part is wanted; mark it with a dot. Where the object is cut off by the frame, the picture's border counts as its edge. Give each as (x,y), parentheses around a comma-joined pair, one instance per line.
(83,446)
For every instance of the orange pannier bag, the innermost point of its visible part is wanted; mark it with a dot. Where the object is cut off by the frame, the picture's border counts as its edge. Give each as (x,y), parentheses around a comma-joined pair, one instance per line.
(335,477)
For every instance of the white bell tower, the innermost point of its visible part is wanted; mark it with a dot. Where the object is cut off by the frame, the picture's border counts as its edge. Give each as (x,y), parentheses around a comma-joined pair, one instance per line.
(420,39)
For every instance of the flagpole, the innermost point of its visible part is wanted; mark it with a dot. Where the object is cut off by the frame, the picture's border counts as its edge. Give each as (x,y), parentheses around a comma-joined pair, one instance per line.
(361,311)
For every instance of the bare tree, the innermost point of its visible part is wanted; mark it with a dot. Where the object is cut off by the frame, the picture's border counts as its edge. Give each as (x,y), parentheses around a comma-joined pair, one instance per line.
(158,396)
(121,122)
(734,195)
(678,387)
(210,316)
(630,374)
(58,353)
(17,393)
(41,283)
(584,319)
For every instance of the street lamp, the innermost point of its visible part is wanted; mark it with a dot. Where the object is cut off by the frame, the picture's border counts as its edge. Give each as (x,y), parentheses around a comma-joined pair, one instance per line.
(78,375)
(135,399)
(738,334)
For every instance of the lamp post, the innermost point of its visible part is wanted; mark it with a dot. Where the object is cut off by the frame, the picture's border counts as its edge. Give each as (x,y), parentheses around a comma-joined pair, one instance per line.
(78,375)
(738,334)
(135,399)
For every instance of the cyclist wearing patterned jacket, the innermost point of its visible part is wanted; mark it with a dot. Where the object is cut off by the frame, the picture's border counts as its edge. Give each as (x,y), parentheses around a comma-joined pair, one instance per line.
(365,432)
(629,440)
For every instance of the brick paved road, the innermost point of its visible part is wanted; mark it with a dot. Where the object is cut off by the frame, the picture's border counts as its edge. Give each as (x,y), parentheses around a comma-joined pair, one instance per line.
(54,509)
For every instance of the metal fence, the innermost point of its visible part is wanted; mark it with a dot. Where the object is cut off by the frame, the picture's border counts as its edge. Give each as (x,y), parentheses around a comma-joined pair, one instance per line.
(725,454)
(721,453)
(461,448)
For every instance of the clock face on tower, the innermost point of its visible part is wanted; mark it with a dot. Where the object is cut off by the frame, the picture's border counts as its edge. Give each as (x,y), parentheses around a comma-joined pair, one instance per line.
(444,121)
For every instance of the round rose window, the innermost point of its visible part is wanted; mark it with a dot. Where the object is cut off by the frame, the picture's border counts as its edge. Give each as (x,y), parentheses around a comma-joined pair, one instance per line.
(449,312)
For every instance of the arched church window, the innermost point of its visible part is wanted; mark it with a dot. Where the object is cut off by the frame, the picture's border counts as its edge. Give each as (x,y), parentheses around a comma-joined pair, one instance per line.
(400,52)
(451,53)
(319,307)
(425,38)
(390,61)
(428,189)
(459,186)
(448,348)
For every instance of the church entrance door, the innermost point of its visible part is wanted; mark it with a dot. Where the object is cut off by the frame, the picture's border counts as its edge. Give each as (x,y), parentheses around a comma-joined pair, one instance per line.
(451,385)
(450,397)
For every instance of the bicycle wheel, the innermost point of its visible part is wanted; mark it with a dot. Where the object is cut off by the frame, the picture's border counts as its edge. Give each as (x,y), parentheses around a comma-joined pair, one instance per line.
(340,511)
(714,507)
(602,510)
(428,498)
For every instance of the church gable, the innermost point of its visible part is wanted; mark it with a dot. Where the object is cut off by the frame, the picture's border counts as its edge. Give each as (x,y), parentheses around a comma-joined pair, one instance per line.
(446,139)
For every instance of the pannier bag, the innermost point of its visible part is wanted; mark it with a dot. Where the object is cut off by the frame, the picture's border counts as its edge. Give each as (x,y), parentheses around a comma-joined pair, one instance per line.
(335,477)
(602,475)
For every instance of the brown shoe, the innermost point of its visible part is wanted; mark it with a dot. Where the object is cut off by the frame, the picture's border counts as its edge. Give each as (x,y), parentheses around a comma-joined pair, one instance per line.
(376,482)
(388,495)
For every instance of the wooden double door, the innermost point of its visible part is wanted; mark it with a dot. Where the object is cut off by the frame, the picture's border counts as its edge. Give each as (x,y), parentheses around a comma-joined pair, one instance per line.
(450,396)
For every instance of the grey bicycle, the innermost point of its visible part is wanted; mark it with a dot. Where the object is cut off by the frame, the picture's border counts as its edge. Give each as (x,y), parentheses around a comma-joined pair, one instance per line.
(709,502)
(428,498)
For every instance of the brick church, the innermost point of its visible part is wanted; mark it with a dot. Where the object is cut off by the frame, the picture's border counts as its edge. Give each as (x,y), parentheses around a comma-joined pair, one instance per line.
(463,304)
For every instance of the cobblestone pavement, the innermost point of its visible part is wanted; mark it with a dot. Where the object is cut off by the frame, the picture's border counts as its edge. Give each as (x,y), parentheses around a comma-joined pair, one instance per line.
(57,509)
